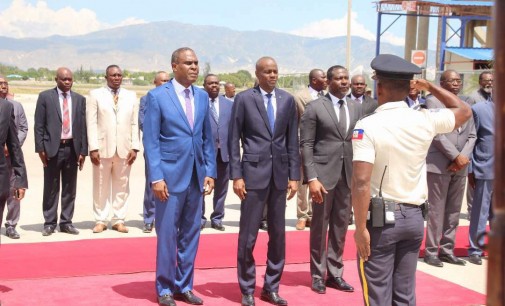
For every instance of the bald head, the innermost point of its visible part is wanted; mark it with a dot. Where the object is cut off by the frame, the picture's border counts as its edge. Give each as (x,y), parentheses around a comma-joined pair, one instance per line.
(4,87)
(267,73)
(358,85)
(317,79)
(451,80)
(64,79)
(229,90)
(161,78)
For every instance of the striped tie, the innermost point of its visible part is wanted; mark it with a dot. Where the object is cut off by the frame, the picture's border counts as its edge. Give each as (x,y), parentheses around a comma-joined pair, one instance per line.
(213,111)
(66,115)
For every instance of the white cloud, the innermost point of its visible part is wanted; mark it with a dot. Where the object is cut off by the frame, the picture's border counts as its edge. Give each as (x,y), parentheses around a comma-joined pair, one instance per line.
(23,19)
(338,27)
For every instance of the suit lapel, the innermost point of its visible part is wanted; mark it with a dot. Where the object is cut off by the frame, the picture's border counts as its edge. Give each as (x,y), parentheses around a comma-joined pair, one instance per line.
(56,102)
(175,100)
(260,104)
(352,114)
(74,105)
(331,110)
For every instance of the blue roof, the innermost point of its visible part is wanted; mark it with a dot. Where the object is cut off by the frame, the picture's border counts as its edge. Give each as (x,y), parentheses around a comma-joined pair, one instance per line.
(479,54)
(461,2)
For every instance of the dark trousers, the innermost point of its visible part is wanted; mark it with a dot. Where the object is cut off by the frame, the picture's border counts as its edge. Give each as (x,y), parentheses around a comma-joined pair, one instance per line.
(251,213)
(63,164)
(480,215)
(178,232)
(390,272)
(220,192)
(329,219)
(3,200)
(149,206)
(13,204)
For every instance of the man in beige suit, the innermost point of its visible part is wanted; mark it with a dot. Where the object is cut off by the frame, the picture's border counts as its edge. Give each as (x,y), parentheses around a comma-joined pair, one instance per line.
(315,89)
(113,141)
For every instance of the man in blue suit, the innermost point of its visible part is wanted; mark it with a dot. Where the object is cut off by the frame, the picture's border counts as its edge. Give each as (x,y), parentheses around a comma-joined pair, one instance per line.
(149,207)
(265,121)
(182,167)
(481,177)
(219,114)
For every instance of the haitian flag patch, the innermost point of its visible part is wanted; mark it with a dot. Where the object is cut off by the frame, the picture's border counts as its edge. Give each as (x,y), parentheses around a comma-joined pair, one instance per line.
(357,134)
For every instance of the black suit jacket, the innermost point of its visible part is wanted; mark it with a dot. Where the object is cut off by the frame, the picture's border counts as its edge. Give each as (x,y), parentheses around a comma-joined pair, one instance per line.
(48,122)
(9,137)
(266,156)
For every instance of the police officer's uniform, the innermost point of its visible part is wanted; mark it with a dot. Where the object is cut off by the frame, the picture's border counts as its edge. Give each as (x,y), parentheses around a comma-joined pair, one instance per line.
(397,137)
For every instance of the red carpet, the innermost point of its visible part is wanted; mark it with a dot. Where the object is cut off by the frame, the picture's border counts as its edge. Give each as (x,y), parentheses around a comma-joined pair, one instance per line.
(216,287)
(131,255)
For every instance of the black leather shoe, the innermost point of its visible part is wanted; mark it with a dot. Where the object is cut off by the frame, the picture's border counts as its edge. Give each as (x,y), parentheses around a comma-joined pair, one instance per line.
(217,226)
(48,230)
(247,300)
(148,227)
(318,286)
(475,259)
(351,219)
(11,232)
(339,283)
(188,297)
(264,226)
(272,298)
(452,259)
(69,229)
(166,300)
(433,260)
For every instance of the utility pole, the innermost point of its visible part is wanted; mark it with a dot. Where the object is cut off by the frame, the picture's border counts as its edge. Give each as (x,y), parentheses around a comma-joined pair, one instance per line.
(348,49)
(496,248)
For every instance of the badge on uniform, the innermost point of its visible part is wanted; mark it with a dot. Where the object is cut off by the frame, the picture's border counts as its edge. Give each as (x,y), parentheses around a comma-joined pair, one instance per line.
(357,134)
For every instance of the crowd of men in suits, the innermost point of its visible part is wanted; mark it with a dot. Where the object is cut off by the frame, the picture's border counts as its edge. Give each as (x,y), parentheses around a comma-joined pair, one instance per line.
(264,139)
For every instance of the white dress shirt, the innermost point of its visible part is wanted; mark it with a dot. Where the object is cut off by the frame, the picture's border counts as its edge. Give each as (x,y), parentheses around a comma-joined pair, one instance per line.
(273,99)
(336,106)
(179,90)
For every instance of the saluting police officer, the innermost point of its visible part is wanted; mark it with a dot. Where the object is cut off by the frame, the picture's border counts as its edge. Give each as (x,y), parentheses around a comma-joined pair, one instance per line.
(392,143)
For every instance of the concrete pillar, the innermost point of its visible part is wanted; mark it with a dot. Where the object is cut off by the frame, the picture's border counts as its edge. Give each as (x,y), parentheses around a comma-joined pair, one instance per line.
(439,42)
(410,36)
(489,34)
(422,33)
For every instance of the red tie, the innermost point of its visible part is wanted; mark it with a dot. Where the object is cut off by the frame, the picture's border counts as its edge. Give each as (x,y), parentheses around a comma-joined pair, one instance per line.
(66,115)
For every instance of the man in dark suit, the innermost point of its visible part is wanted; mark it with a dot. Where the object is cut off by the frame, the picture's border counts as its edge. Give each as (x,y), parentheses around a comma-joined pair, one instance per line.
(149,207)
(219,114)
(264,120)
(358,87)
(447,165)
(61,141)
(9,138)
(13,205)
(180,156)
(414,99)
(325,139)
(481,177)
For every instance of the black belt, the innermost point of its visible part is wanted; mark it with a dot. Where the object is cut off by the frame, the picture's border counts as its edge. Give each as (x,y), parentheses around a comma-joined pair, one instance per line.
(66,142)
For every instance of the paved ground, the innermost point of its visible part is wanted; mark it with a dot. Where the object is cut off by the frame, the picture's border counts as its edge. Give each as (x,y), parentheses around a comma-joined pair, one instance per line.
(31,223)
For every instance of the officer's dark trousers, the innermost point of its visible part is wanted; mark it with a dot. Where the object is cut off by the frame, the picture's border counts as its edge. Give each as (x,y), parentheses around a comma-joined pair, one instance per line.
(388,277)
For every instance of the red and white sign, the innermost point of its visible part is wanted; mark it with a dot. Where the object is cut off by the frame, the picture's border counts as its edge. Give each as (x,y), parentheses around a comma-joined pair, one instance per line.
(418,58)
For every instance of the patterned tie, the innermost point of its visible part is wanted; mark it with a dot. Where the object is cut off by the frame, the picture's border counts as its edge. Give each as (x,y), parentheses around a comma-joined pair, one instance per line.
(270,112)
(342,120)
(213,111)
(189,107)
(66,115)
(115,97)
(320,94)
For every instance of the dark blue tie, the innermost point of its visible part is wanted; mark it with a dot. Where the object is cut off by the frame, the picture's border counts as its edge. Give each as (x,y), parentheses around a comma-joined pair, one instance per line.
(270,112)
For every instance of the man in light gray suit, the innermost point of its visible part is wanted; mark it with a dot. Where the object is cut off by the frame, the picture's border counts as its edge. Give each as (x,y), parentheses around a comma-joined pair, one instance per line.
(447,164)
(325,140)
(13,204)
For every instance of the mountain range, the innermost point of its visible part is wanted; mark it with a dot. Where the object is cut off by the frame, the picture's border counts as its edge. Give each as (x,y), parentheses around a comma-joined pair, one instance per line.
(148,47)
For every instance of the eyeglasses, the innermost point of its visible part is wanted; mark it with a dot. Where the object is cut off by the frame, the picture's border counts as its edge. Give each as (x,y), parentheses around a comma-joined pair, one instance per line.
(3,83)
(452,81)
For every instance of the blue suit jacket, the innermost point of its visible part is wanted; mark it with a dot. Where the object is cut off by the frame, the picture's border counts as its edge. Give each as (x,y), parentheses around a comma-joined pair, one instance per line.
(483,152)
(172,148)
(266,156)
(220,131)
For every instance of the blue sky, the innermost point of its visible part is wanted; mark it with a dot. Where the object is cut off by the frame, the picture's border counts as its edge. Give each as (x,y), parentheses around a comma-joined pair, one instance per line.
(316,18)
